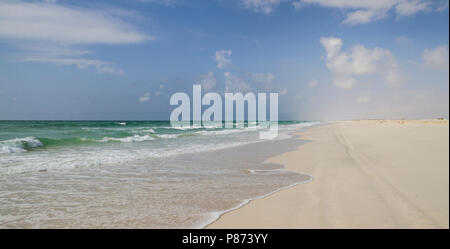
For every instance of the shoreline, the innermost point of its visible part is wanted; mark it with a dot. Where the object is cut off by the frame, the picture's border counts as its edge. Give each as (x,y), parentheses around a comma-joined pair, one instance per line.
(391,199)
(247,201)
(218,214)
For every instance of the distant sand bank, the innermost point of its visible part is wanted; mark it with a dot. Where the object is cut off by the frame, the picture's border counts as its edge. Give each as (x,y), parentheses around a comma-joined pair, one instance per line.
(367,174)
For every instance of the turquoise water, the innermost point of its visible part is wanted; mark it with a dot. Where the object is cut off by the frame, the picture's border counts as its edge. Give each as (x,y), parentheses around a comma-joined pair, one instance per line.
(132,173)
(22,136)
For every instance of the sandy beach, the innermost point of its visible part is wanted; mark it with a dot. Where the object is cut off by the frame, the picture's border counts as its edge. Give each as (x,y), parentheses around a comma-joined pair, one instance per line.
(366,174)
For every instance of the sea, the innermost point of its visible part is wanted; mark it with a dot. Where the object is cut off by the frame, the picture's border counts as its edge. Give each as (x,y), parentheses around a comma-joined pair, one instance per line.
(135,174)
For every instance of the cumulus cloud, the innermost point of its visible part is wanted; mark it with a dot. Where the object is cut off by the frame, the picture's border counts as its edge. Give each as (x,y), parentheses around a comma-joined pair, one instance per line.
(208,81)
(235,84)
(145,97)
(436,58)
(222,58)
(359,61)
(262,6)
(50,32)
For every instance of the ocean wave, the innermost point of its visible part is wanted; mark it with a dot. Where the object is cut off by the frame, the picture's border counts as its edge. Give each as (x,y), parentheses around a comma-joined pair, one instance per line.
(168,136)
(70,159)
(135,138)
(19,144)
(144,130)
(182,127)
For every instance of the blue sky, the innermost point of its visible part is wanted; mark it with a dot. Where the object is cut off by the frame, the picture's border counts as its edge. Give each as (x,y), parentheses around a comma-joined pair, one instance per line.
(120,59)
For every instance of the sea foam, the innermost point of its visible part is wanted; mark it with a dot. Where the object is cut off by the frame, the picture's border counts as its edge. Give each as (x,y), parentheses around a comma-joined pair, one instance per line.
(19,144)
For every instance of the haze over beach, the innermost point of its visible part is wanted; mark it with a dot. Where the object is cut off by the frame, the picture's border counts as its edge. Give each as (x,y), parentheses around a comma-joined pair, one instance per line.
(356,92)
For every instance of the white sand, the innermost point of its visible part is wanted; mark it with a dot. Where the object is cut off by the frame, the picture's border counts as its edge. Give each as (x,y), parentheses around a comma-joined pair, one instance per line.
(367,174)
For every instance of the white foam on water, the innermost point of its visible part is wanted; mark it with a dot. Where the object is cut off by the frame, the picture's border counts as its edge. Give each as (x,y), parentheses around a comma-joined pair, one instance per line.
(146,131)
(131,139)
(124,153)
(168,136)
(70,159)
(86,156)
(19,144)
(266,171)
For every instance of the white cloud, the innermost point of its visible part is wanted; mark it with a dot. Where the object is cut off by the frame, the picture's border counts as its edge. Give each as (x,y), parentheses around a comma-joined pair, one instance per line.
(358,62)
(313,83)
(353,4)
(411,7)
(61,24)
(145,98)
(262,6)
(208,81)
(49,32)
(63,55)
(362,12)
(364,16)
(235,84)
(40,49)
(222,58)
(436,58)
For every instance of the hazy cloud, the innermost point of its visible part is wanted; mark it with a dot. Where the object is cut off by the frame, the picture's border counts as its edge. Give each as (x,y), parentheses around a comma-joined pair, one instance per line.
(264,79)
(208,81)
(145,97)
(263,6)
(313,83)
(401,39)
(436,58)
(363,99)
(235,84)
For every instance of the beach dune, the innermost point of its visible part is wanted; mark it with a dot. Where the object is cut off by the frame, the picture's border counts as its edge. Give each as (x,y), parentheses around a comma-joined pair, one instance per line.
(366,174)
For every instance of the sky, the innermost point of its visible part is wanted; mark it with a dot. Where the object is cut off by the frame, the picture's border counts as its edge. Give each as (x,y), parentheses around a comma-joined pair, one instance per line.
(123,59)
